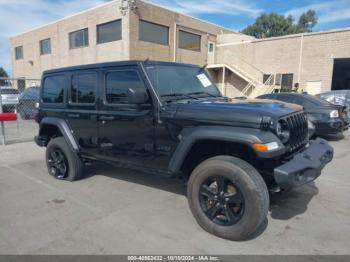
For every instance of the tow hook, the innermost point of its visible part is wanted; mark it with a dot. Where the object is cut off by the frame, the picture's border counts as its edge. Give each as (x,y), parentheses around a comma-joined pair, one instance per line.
(275,189)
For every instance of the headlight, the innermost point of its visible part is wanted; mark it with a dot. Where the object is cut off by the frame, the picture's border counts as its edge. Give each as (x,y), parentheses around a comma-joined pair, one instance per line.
(282,131)
(266,147)
(334,114)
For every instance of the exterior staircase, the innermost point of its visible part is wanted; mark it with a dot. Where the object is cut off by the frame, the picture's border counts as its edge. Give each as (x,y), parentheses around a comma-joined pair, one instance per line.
(256,86)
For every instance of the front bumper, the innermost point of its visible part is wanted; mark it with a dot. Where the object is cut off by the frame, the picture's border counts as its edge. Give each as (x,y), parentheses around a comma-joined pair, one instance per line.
(306,166)
(331,127)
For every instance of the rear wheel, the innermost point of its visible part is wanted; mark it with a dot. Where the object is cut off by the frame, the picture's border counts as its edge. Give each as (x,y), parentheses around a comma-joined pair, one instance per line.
(228,197)
(62,162)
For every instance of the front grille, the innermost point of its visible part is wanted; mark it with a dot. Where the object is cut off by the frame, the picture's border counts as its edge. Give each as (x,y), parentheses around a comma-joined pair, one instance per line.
(299,134)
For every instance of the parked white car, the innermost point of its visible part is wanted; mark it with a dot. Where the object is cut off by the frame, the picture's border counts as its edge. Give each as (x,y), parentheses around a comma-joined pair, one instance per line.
(9,98)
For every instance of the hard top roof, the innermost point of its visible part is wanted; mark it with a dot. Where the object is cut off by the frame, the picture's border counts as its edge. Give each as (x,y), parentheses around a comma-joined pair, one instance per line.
(112,64)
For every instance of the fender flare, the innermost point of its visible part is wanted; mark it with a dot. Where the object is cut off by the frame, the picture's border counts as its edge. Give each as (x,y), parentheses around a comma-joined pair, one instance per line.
(64,129)
(245,136)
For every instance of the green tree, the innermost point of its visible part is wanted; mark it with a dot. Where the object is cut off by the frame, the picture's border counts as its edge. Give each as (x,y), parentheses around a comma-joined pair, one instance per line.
(3,73)
(273,24)
(307,21)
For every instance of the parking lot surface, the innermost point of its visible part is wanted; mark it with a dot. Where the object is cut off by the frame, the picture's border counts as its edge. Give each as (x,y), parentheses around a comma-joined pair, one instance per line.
(118,211)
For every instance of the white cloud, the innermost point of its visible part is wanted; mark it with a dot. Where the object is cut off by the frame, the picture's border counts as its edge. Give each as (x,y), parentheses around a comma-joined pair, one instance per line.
(328,12)
(195,7)
(21,15)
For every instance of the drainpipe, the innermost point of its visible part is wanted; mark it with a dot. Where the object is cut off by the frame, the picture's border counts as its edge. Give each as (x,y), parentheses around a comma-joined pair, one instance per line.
(175,41)
(300,56)
(224,80)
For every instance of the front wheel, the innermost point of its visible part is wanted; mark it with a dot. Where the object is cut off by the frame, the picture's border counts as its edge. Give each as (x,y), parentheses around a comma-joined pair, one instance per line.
(62,162)
(228,197)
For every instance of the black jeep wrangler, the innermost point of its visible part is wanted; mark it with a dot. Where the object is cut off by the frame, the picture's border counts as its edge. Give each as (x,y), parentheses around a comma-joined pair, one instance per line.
(171,119)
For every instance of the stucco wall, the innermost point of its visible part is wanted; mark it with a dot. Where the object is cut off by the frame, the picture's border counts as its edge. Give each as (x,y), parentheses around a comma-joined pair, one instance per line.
(175,21)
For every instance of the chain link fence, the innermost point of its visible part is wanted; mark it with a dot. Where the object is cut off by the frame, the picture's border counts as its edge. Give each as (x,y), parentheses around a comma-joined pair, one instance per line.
(19,96)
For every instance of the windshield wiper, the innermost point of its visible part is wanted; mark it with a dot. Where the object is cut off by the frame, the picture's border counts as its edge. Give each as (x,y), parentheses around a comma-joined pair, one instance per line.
(203,93)
(179,95)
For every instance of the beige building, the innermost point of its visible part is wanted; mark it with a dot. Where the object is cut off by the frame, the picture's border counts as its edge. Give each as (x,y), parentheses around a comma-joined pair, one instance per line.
(118,30)
(318,62)
(135,29)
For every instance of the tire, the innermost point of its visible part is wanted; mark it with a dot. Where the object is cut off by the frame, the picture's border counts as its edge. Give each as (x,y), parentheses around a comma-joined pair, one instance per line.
(249,201)
(66,167)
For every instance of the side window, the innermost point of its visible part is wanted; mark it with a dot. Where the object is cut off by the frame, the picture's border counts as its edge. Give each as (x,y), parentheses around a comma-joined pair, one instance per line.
(53,90)
(83,89)
(118,83)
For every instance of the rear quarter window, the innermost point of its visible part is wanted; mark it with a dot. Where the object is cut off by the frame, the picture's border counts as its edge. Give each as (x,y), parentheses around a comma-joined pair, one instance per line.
(54,89)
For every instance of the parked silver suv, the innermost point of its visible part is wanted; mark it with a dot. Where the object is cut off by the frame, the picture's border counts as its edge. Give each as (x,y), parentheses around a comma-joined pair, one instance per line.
(9,98)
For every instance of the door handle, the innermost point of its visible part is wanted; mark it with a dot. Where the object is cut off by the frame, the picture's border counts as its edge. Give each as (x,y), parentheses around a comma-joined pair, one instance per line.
(107,118)
(73,115)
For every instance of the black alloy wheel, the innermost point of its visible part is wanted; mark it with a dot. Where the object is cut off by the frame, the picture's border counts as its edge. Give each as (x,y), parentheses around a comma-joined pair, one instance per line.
(58,164)
(221,200)
(228,197)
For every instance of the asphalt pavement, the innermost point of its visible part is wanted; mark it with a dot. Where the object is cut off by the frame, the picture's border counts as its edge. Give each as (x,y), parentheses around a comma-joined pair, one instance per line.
(118,211)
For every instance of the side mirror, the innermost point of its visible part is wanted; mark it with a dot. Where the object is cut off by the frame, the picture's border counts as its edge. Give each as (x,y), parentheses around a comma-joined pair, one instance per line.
(137,97)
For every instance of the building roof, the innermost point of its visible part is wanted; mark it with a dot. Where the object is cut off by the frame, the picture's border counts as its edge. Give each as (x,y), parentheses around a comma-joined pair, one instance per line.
(338,30)
(333,31)
(114,2)
(195,18)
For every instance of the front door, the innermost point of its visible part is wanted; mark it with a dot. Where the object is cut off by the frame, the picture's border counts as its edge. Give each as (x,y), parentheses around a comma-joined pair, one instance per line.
(126,130)
(211,52)
(287,83)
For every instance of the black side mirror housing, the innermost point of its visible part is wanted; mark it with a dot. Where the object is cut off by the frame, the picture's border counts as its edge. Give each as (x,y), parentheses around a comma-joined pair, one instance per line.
(137,97)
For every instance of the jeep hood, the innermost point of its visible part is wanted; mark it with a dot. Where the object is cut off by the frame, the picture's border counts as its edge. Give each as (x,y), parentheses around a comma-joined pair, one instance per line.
(245,113)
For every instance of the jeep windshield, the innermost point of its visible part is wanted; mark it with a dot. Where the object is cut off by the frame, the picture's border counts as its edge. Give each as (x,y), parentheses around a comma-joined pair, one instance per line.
(179,82)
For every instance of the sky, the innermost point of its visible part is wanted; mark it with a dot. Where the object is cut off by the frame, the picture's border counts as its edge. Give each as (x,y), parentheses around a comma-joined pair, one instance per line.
(17,16)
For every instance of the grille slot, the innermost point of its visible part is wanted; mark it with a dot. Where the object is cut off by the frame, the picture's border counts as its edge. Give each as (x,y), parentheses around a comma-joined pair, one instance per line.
(297,124)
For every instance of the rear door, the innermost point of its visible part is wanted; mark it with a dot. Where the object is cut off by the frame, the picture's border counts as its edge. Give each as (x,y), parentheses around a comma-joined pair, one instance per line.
(126,130)
(81,111)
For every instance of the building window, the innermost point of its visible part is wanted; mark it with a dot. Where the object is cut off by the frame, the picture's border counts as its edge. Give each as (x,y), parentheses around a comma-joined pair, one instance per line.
(21,85)
(45,46)
(118,83)
(83,89)
(19,52)
(53,89)
(211,47)
(153,33)
(189,41)
(79,38)
(109,32)
(268,79)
